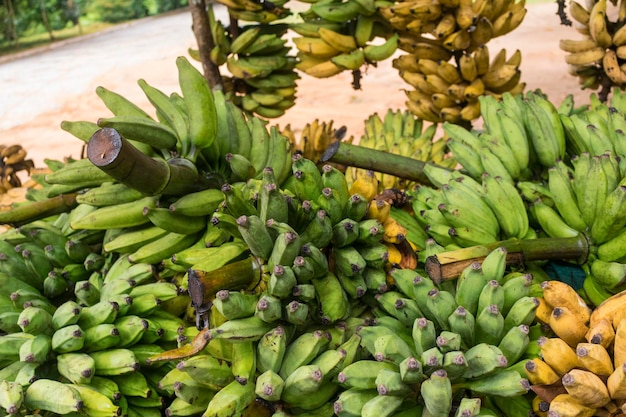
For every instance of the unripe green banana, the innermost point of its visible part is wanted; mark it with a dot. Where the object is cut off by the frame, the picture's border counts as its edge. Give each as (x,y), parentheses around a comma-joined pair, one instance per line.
(269,386)
(404,309)
(11,396)
(483,359)
(362,374)
(332,298)
(350,402)
(345,232)
(469,286)
(101,336)
(441,304)
(35,320)
(514,289)
(54,396)
(231,400)
(521,312)
(248,328)
(296,313)
(235,304)
(514,343)
(69,338)
(121,215)
(285,248)
(94,402)
(303,380)
(206,369)
(437,393)
(36,349)
(199,203)
(424,335)
(115,361)
(489,325)
(281,282)
(317,258)
(268,308)
(256,235)
(271,350)
(506,383)
(319,231)
(303,350)
(109,195)
(78,368)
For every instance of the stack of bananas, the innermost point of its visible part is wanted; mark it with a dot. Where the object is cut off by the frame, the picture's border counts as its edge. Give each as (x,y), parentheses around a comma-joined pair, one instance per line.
(597,59)
(261,76)
(256,11)
(453,350)
(401,133)
(260,58)
(445,92)
(315,138)
(13,160)
(581,366)
(77,324)
(336,36)
(432,33)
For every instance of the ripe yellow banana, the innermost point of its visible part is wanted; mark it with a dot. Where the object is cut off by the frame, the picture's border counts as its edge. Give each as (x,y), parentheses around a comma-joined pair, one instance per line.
(559,294)
(568,326)
(612,67)
(598,25)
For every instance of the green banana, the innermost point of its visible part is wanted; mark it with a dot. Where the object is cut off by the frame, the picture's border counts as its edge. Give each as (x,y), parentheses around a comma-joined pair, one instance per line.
(53,396)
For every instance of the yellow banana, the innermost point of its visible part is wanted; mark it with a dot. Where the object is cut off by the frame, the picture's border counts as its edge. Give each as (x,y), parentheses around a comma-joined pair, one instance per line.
(568,326)
(586,387)
(559,294)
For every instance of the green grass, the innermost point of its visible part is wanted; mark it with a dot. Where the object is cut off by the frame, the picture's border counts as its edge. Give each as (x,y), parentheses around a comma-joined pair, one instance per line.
(42,39)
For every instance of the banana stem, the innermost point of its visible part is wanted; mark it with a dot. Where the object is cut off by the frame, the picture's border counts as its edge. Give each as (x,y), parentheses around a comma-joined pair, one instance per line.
(449,265)
(116,156)
(375,160)
(26,212)
(203,285)
(202,31)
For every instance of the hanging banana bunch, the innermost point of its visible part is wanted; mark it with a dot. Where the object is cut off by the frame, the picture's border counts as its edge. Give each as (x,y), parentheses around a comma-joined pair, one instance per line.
(598,58)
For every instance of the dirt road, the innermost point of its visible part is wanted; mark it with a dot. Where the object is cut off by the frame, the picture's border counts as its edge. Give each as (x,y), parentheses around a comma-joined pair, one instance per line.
(39,91)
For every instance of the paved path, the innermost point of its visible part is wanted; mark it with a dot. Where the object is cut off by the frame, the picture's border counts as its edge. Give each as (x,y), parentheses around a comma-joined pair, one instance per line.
(39,82)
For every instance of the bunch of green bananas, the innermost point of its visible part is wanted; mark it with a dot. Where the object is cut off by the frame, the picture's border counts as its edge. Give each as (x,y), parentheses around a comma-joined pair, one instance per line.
(597,59)
(341,36)
(78,324)
(461,346)
(261,77)
(401,133)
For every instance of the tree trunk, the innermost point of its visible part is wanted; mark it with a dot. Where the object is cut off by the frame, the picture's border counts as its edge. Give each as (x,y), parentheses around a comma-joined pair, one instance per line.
(202,31)
(44,19)
(12,30)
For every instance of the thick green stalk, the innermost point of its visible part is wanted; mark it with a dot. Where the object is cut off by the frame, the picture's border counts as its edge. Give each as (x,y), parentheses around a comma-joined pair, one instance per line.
(26,212)
(116,156)
(448,265)
(375,160)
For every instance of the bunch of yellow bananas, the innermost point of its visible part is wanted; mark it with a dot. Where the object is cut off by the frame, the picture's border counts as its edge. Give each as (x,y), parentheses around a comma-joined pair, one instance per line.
(598,58)
(446,92)
(432,33)
(13,160)
(315,138)
(585,356)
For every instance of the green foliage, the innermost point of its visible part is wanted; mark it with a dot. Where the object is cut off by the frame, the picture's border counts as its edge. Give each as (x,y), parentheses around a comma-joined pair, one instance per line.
(161,6)
(115,11)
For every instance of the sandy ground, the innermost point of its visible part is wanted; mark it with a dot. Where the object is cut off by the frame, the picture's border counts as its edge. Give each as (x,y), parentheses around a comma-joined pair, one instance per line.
(39,91)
